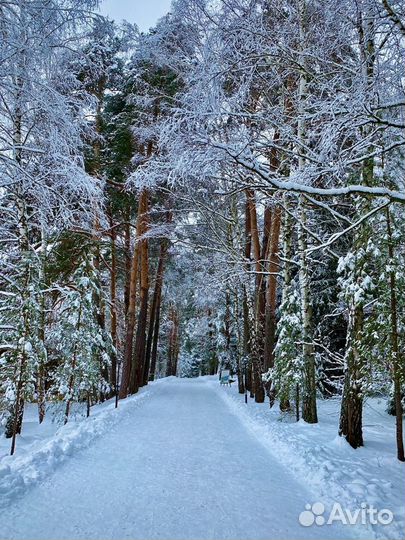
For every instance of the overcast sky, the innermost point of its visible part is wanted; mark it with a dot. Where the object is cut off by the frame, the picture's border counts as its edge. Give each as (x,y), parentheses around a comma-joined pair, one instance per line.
(144,13)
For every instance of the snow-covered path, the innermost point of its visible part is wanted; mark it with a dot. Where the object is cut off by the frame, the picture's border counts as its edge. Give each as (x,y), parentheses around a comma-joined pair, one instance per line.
(181,466)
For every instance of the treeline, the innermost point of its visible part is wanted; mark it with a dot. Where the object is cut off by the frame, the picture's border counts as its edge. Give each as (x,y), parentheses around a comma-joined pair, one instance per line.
(224,191)
(285,148)
(83,256)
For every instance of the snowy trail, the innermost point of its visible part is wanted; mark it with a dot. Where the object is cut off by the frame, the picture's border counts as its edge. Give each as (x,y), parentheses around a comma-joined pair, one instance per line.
(181,467)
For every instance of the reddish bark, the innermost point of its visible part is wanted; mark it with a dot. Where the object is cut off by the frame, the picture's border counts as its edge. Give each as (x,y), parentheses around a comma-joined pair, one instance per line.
(131,311)
(271,292)
(136,377)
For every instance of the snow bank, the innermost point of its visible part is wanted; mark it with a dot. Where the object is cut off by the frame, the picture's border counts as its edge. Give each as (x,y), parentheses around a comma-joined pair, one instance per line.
(326,464)
(33,461)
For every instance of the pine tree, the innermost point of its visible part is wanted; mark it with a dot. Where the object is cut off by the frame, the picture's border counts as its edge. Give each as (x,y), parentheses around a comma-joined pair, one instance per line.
(78,343)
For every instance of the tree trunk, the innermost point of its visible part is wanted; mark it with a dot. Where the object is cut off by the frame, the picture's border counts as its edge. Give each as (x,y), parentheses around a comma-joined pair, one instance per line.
(113,307)
(287,279)
(350,425)
(136,378)
(131,313)
(309,410)
(155,341)
(395,353)
(170,348)
(246,341)
(245,305)
(14,422)
(153,337)
(171,357)
(257,353)
(137,370)
(211,347)
(41,335)
(261,278)
(271,292)
(271,253)
(128,263)
(176,346)
(153,312)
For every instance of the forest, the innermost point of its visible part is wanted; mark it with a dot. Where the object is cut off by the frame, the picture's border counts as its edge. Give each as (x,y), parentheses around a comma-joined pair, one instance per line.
(225,191)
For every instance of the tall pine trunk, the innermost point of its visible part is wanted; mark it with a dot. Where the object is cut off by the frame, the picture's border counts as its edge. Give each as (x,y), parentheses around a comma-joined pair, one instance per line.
(173,342)
(136,379)
(271,298)
(157,293)
(155,340)
(245,303)
(128,261)
(131,311)
(271,290)
(256,351)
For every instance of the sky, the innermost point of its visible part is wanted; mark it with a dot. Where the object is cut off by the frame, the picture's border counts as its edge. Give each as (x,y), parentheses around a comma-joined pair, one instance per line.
(144,13)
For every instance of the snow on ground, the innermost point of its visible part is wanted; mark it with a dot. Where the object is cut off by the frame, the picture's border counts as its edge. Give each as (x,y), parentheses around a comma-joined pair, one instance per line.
(192,461)
(181,466)
(41,448)
(326,464)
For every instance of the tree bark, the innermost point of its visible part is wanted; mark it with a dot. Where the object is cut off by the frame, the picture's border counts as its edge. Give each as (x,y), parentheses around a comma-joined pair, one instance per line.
(14,422)
(271,291)
(41,335)
(131,313)
(240,347)
(350,425)
(260,277)
(113,307)
(155,341)
(245,305)
(246,341)
(128,263)
(309,410)
(287,279)
(155,305)
(173,347)
(136,377)
(395,353)
(258,387)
